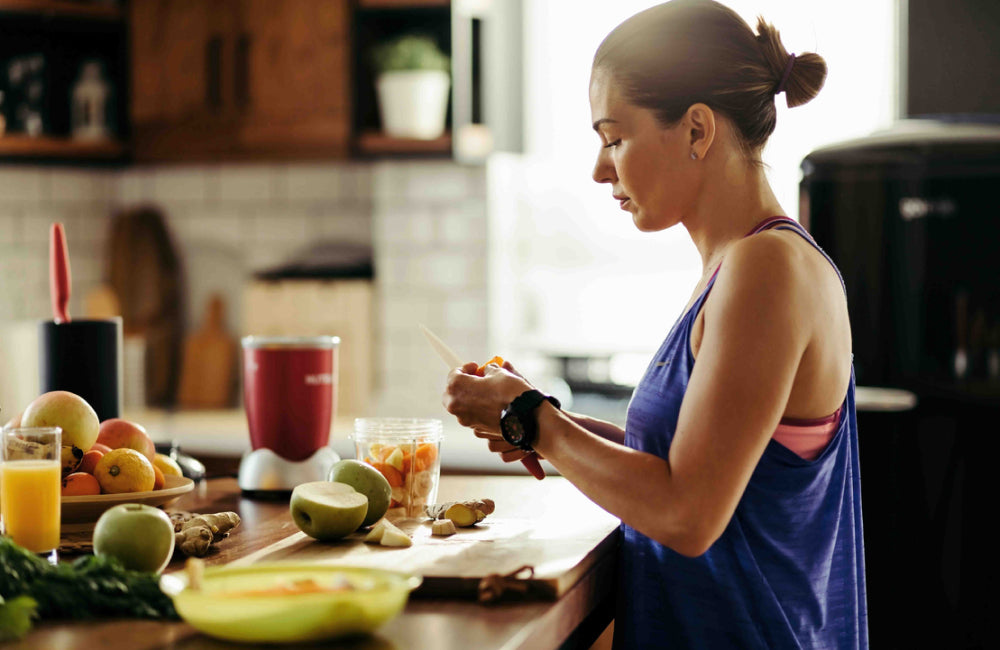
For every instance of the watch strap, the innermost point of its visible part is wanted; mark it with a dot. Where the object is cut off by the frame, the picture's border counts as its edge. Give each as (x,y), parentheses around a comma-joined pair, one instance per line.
(523,408)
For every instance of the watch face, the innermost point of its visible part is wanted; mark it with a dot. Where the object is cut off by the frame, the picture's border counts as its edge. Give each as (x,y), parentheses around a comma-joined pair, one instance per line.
(512,429)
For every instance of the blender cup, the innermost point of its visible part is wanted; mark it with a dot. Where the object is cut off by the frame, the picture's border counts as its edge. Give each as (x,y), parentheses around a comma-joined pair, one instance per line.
(406,451)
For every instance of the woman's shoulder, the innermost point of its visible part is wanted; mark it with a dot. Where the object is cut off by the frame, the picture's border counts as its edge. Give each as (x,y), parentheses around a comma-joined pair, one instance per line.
(778,271)
(770,257)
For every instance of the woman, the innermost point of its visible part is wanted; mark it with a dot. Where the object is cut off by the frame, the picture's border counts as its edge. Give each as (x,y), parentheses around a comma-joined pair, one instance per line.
(736,476)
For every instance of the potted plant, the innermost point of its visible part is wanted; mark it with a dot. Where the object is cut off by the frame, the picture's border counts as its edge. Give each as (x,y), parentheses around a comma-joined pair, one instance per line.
(411,84)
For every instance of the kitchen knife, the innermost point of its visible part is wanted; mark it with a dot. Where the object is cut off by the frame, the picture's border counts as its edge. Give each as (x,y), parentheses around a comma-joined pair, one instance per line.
(452,360)
(59,282)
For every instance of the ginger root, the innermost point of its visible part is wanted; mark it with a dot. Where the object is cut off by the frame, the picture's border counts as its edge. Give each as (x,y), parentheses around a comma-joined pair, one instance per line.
(443,527)
(463,513)
(194,535)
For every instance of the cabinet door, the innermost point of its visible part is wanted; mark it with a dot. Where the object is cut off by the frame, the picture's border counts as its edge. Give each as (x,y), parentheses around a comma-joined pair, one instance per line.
(180,84)
(291,77)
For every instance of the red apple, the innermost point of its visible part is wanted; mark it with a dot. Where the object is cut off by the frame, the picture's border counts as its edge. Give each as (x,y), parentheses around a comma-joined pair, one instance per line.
(99,447)
(117,433)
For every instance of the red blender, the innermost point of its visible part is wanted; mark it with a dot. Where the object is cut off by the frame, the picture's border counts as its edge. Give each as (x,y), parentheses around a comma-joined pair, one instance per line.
(290,397)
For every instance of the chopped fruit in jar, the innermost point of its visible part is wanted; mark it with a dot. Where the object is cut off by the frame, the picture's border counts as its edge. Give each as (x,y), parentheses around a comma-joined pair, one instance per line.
(423,483)
(424,457)
(390,473)
(395,459)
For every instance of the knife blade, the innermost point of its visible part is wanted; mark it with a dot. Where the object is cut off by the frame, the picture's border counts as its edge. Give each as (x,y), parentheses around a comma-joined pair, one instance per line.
(449,356)
(452,360)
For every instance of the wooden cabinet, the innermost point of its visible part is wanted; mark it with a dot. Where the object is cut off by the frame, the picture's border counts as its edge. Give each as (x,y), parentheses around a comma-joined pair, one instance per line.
(44,47)
(239,79)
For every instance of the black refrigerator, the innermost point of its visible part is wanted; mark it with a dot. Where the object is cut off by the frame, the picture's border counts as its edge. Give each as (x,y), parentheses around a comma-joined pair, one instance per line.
(912,218)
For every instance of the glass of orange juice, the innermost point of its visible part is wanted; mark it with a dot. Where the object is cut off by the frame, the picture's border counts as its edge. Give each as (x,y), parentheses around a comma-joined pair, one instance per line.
(30,487)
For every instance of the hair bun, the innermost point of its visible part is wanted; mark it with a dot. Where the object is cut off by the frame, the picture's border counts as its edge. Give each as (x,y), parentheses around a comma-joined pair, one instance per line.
(799,76)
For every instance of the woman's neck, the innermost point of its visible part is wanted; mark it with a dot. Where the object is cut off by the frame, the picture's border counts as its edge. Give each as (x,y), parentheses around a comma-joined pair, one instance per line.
(735,197)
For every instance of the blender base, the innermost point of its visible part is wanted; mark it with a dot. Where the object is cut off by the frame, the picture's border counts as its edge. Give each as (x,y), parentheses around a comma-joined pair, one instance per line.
(265,473)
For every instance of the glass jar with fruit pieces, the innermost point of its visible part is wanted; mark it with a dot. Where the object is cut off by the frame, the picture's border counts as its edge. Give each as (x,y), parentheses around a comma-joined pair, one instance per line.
(407,452)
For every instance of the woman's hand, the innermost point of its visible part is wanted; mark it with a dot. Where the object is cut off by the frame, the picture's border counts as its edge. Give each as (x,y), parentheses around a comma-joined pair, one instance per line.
(476,402)
(508,452)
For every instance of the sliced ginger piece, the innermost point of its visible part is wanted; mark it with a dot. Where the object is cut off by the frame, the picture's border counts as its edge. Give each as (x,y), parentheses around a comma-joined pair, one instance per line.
(443,527)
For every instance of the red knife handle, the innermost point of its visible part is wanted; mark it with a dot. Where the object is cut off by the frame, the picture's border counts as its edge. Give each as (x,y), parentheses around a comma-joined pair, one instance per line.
(533,466)
(59,283)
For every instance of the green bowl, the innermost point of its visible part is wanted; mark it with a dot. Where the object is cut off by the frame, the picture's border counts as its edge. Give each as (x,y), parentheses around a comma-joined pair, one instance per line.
(222,608)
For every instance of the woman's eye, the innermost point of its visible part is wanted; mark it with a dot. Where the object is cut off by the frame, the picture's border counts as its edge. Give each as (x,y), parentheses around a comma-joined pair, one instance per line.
(612,144)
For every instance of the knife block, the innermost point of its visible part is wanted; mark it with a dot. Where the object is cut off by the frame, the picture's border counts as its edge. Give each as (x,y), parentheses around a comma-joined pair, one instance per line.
(84,357)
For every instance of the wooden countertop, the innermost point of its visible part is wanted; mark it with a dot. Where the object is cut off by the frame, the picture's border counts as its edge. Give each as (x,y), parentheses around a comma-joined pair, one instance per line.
(574,619)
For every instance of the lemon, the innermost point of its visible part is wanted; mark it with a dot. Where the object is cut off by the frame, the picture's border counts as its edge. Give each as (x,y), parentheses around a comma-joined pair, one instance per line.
(124,470)
(167,465)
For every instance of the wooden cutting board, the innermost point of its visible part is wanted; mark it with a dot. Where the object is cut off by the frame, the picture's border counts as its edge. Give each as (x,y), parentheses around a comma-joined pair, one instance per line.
(144,272)
(208,366)
(561,537)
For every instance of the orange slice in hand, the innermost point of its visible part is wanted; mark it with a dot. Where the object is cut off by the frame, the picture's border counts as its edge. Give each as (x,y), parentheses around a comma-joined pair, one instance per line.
(481,371)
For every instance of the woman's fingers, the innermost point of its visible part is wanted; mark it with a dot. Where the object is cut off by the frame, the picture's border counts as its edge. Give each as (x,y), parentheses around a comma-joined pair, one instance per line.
(513,455)
(501,446)
(486,435)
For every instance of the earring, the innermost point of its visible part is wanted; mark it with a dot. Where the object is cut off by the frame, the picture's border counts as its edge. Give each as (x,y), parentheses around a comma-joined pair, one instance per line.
(694,156)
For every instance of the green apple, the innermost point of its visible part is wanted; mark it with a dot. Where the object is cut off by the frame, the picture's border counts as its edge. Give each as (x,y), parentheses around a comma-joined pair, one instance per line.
(327,510)
(368,481)
(140,536)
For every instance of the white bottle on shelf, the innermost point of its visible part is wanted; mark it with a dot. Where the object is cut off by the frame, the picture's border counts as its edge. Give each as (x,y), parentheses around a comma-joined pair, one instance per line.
(90,103)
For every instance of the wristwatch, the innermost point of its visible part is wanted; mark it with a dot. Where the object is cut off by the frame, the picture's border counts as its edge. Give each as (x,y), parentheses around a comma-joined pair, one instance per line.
(518,423)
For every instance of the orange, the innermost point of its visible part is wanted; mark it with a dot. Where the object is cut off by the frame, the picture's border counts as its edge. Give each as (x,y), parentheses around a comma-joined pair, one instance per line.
(125,470)
(158,479)
(89,462)
(80,484)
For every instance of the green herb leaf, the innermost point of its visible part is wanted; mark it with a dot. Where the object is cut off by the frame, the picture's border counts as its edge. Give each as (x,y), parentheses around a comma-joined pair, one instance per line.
(89,587)
(16,616)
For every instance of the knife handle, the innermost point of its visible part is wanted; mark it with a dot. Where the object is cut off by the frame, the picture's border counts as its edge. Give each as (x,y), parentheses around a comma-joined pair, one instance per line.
(59,283)
(533,466)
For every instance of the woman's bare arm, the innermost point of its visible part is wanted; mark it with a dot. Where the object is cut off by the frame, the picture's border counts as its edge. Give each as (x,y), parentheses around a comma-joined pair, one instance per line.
(754,339)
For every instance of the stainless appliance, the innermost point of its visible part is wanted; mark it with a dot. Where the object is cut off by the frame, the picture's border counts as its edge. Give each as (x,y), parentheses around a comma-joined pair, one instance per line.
(909,216)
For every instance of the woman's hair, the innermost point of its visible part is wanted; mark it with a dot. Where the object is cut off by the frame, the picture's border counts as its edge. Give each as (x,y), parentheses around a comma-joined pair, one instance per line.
(682,52)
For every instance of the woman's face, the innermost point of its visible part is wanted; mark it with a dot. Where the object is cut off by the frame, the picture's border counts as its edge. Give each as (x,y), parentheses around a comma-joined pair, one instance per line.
(649,167)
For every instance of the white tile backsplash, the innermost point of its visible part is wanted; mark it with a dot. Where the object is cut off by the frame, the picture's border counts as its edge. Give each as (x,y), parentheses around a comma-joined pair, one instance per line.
(173,185)
(249,183)
(426,221)
(10,224)
(22,184)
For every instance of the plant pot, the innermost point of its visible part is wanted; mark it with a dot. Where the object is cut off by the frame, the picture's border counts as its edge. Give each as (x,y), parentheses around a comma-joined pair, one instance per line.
(413,103)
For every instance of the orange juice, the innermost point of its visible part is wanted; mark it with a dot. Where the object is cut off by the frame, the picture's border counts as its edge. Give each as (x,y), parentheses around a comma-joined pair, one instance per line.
(30,502)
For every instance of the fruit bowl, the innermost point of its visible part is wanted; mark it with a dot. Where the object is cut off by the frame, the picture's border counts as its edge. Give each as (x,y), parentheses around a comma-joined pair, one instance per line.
(87,509)
(267,603)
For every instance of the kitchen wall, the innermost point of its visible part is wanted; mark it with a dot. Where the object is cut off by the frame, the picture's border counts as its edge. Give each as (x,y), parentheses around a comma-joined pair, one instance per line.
(426,221)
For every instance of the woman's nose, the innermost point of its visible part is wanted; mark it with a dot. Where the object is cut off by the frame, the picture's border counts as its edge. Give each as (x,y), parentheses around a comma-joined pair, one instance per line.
(604,171)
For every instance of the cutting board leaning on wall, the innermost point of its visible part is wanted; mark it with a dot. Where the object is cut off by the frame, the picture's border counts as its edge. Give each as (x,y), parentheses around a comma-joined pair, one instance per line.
(208,369)
(144,272)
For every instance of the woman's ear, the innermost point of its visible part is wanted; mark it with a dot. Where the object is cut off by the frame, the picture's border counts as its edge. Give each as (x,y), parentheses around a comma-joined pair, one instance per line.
(701,120)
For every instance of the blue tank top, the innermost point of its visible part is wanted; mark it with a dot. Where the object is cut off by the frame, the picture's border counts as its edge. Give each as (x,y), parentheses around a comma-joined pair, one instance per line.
(787,572)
